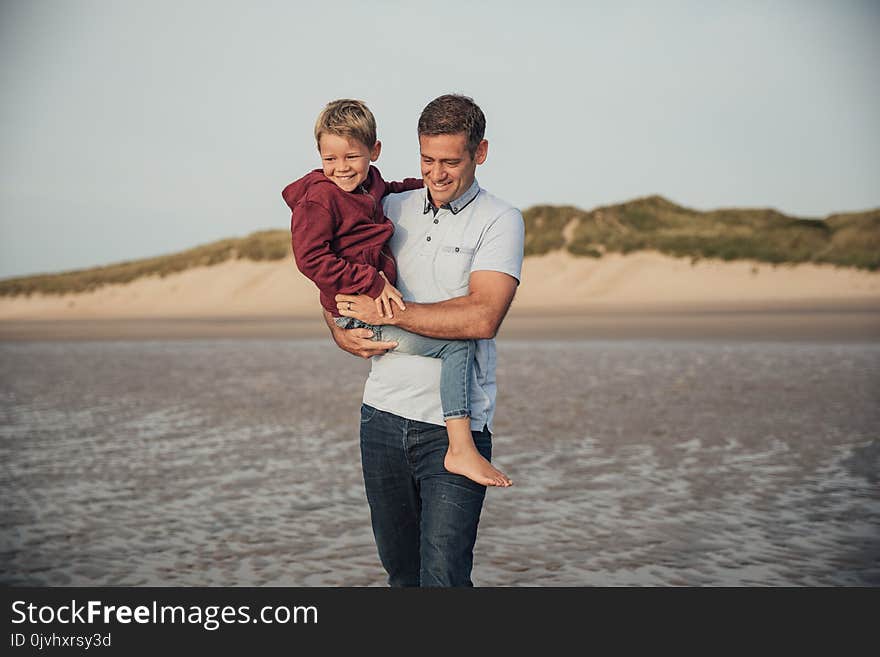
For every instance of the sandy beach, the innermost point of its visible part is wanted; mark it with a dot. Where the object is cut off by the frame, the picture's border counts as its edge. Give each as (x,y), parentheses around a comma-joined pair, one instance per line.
(642,295)
(667,423)
(228,462)
(816,321)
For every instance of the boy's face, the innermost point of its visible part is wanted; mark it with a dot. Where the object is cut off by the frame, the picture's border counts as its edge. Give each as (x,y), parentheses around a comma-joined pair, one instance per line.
(346,161)
(447,166)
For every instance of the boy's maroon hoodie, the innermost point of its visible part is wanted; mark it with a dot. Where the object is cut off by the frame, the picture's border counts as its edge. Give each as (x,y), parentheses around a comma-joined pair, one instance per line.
(340,238)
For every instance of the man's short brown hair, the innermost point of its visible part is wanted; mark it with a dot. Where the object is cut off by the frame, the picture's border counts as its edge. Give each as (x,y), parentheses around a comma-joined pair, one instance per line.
(347,118)
(453,114)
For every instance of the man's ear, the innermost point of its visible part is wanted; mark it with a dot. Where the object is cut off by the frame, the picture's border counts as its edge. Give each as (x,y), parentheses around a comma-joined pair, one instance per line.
(482,152)
(374,152)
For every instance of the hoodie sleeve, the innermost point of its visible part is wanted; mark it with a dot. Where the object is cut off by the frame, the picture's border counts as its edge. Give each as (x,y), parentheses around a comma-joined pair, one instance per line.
(312,229)
(405,185)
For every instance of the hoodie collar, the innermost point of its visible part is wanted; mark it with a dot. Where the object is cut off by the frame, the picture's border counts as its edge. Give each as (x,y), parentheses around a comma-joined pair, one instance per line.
(364,187)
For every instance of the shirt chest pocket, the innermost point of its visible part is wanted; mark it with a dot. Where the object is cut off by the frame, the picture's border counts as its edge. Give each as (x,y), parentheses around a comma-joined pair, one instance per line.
(453,268)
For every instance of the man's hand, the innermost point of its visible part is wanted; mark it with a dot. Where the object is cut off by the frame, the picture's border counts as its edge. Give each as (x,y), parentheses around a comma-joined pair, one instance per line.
(356,341)
(361,307)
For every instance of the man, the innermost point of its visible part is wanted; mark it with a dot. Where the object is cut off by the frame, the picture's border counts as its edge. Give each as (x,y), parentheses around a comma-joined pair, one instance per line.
(459,255)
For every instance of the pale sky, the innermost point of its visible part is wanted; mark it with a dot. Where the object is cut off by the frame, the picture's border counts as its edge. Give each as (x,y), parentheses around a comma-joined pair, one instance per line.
(133,129)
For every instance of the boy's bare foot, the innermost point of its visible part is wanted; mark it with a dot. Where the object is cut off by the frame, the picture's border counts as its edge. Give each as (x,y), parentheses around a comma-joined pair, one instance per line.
(471,464)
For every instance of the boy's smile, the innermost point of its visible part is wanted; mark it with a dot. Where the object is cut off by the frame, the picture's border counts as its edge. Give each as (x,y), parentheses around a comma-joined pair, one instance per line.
(346,161)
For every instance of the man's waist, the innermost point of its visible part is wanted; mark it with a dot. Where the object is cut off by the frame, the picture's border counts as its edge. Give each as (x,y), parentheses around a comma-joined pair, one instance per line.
(411,423)
(409,386)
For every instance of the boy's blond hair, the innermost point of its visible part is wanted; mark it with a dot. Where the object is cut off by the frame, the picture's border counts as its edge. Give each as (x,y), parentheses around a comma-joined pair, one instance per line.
(347,118)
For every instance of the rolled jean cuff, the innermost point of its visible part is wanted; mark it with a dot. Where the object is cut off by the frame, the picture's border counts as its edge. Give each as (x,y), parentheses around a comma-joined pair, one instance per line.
(452,415)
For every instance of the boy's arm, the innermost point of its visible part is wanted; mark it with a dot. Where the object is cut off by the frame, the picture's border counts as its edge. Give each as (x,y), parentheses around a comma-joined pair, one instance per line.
(405,185)
(312,230)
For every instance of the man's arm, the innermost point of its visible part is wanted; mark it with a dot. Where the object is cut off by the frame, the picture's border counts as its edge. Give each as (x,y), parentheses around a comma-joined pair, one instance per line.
(478,314)
(474,316)
(356,341)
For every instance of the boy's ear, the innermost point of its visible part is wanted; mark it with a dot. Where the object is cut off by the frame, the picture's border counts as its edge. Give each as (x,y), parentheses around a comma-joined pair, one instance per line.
(374,152)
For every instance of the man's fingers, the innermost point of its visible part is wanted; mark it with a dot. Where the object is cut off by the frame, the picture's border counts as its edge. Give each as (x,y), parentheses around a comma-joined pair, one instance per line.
(364,333)
(380,347)
(343,301)
(376,349)
(384,346)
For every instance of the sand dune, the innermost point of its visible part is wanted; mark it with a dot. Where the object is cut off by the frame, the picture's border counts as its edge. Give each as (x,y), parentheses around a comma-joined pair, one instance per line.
(649,279)
(555,282)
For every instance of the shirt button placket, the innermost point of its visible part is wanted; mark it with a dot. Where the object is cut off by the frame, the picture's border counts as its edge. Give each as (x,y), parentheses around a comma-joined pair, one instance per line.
(435,222)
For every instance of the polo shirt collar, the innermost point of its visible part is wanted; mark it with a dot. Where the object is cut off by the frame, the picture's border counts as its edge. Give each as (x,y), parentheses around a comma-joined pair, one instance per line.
(457,205)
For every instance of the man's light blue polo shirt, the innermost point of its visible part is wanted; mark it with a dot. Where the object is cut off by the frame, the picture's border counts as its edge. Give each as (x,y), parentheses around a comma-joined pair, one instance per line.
(435,257)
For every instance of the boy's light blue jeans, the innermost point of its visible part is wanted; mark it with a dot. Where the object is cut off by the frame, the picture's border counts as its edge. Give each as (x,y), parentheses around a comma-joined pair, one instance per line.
(457,360)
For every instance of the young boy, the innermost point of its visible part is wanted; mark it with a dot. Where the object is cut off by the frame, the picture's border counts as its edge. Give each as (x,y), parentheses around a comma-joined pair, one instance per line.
(340,235)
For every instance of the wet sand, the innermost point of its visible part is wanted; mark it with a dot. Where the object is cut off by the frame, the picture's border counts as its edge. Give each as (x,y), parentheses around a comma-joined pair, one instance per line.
(643,462)
(818,320)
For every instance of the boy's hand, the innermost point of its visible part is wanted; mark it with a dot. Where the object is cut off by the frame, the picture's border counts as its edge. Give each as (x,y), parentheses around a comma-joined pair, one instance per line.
(389,294)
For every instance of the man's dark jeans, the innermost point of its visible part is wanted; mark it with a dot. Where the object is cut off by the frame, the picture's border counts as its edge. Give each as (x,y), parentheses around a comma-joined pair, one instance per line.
(424,517)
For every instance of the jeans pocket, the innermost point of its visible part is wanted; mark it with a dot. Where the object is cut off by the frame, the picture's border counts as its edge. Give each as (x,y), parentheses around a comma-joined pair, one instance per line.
(367,413)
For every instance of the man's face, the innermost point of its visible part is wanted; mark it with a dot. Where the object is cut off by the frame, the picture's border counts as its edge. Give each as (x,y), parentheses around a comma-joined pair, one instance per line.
(346,161)
(447,167)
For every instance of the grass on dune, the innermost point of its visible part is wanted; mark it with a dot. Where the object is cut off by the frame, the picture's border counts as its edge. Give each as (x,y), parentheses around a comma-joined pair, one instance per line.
(654,223)
(650,223)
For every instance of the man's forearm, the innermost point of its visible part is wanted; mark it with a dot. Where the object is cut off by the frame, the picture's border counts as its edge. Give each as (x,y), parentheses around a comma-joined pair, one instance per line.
(328,319)
(453,319)
(460,318)
(477,315)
